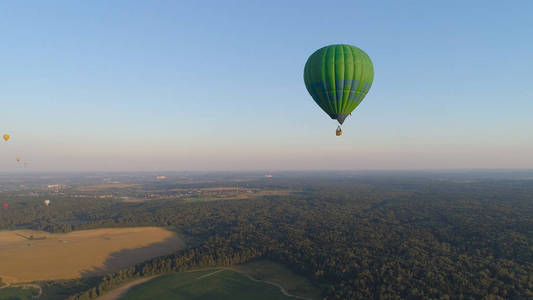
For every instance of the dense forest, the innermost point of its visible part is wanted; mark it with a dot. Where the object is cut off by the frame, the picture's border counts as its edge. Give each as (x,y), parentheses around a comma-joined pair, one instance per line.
(380,237)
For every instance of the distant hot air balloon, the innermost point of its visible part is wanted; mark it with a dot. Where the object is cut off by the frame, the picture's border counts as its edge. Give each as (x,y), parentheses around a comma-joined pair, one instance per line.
(46,202)
(6,205)
(6,137)
(18,159)
(338,77)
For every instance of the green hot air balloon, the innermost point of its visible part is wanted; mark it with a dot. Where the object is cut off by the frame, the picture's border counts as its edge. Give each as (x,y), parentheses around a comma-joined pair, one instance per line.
(338,77)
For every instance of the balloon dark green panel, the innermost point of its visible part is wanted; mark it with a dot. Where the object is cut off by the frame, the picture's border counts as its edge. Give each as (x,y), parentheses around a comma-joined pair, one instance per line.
(338,77)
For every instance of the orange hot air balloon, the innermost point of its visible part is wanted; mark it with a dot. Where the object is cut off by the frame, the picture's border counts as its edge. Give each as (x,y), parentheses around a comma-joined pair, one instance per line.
(18,159)
(6,137)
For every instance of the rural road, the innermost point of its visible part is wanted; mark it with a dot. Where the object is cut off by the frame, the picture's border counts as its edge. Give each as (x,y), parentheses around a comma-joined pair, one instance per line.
(282,289)
(207,275)
(118,292)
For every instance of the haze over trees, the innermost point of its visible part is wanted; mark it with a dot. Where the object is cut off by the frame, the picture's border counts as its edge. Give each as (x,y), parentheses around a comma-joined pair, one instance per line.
(355,236)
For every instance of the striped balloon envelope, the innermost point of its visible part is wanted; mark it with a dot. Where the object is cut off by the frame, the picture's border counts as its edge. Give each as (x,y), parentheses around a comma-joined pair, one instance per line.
(338,77)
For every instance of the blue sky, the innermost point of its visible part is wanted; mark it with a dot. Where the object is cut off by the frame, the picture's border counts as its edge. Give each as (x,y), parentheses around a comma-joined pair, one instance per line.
(216,85)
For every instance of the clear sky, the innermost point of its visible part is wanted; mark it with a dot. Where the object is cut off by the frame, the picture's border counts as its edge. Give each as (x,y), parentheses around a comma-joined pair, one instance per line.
(218,85)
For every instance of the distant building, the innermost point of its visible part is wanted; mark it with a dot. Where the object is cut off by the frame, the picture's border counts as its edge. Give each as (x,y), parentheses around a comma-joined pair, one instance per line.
(57,186)
(160,177)
(268,176)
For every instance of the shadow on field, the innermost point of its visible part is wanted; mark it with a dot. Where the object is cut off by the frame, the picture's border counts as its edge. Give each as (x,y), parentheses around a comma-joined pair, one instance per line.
(128,257)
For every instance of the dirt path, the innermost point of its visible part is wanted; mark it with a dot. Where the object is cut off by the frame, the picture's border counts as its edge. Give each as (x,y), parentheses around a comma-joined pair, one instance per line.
(207,275)
(282,289)
(120,291)
(117,293)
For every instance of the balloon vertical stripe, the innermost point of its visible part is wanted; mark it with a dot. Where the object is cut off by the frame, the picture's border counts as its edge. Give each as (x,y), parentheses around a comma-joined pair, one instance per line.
(338,77)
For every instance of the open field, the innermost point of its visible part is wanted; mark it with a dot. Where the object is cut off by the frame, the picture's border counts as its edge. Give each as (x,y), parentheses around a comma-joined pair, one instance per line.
(107,186)
(270,271)
(228,193)
(224,188)
(27,255)
(18,293)
(220,284)
(262,271)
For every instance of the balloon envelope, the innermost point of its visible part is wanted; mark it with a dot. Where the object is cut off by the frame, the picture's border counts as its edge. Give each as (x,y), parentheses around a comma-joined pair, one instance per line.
(6,205)
(338,77)
(6,137)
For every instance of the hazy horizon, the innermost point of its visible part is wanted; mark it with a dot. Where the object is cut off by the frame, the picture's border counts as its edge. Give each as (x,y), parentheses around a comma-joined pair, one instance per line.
(128,87)
(281,171)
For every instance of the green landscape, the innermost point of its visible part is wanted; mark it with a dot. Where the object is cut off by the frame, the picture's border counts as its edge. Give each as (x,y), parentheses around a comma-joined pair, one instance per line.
(266,149)
(336,235)
(18,293)
(278,274)
(210,284)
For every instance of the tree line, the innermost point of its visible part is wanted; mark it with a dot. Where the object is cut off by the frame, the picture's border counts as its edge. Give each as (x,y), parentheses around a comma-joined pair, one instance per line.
(381,239)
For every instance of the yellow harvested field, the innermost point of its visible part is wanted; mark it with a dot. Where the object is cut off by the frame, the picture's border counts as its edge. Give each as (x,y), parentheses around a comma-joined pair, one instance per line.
(225,188)
(27,255)
(254,194)
(258,192)
(107,186)
(133,200)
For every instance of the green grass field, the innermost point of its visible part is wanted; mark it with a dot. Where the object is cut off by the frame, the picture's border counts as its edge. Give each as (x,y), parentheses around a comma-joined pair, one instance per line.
(267,270)
(17,293)
(204,285)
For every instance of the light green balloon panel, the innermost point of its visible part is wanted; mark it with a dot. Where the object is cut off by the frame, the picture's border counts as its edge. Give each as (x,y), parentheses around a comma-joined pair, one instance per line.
(338,78)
